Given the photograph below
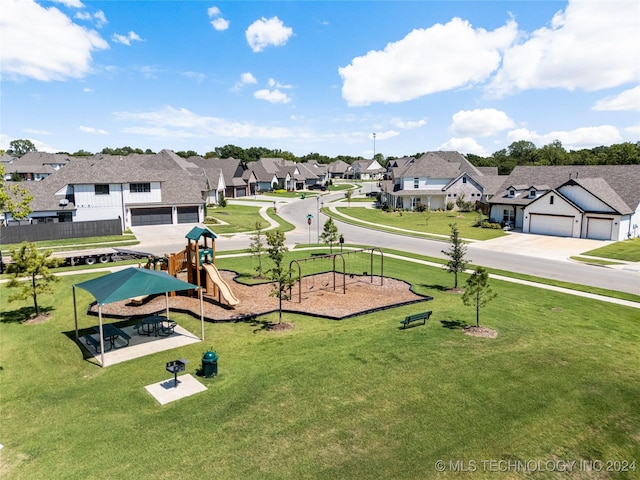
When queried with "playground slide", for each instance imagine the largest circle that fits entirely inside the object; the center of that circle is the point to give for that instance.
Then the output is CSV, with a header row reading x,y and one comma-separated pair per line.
x,y
225,291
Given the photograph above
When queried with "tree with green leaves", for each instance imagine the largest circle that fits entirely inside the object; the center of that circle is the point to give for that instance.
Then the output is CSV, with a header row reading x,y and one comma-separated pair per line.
x,y
456,252
329,234
20,147
29,262
478,291
278,274
14,199
223,201
348,195
256,247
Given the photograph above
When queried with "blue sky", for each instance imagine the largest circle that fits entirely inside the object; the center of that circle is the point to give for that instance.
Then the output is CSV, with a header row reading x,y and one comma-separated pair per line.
x,y
319,76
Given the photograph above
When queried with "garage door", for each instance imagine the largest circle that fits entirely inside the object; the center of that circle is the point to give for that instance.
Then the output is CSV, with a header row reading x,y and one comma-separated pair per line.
x,y
599,228
187,214
556,225
150,216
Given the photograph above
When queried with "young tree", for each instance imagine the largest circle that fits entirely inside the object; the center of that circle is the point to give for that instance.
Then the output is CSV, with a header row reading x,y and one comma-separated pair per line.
x,y
14,199
348,196
478,291
329,234
457,263
278,274
223,201
29,262
256,247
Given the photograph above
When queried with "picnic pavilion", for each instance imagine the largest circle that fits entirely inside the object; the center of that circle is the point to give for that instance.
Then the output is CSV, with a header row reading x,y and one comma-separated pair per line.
x,y
128,283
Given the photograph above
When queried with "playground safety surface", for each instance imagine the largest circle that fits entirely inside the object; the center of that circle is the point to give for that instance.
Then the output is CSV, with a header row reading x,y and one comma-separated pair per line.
x,y
364,294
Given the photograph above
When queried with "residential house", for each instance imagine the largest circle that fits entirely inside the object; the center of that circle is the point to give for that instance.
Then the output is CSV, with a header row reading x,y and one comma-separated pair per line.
x,y
228,176
35,166
139,189
435,179
337,169
365,170
598,202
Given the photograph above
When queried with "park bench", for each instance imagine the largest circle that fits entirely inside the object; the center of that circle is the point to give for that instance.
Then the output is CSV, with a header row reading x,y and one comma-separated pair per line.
x,y
409,319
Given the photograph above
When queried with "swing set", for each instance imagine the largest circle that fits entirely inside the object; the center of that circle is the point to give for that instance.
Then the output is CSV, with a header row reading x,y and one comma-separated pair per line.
x,y
353,266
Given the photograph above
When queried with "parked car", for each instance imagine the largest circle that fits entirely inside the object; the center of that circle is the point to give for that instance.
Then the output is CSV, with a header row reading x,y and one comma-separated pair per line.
x,y
318,186
372,194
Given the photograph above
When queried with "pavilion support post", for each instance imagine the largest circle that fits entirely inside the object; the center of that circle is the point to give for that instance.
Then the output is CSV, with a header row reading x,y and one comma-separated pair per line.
x,y
101,336
75,312
201,315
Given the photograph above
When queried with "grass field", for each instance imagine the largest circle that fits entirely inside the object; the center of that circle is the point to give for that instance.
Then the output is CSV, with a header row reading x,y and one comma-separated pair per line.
x,y
423,223
355,399
629,251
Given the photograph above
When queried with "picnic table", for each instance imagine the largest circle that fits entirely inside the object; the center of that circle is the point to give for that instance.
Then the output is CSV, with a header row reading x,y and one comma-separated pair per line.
x,y
111,333
156,325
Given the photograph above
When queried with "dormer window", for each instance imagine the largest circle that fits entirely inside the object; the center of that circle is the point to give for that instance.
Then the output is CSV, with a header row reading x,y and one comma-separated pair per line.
x,y
512,192
416,183
464,179
532,192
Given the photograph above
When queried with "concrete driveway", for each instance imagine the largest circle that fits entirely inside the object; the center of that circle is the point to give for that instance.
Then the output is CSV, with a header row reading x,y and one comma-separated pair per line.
x,y
543,246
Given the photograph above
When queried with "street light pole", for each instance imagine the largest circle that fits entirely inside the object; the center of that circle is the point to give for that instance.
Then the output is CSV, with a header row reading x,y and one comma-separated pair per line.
x,y
318,218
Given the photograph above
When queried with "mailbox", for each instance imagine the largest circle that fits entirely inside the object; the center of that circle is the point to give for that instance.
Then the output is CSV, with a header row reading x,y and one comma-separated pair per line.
x,y
175,367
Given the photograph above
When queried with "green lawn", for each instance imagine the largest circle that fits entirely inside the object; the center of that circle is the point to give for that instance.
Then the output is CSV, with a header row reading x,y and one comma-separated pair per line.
x,y
423,223
125,239
236,218
352,399
628,250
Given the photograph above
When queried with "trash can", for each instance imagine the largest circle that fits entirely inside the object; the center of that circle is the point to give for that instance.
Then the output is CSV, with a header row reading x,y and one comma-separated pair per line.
x,y
210,364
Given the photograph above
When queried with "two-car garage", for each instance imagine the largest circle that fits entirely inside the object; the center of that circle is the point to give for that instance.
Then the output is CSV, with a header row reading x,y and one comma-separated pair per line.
x,y
163,215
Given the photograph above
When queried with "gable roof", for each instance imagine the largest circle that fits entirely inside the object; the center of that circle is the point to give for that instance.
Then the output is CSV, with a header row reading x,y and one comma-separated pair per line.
x,y
439,165
621,179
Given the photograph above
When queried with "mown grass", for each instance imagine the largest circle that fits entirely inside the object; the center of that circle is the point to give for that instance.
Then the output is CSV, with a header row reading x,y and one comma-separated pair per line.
x,y
125,239
422,223
628,250
352,399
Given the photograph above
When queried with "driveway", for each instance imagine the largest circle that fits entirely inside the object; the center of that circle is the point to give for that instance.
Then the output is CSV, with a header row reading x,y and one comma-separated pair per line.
x,y
542,246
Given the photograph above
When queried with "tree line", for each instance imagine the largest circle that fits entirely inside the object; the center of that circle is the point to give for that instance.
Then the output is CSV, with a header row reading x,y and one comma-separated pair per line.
x,y
521,152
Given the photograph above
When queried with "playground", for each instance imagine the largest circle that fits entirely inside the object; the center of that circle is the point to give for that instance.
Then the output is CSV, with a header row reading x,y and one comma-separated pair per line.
x,y
327,287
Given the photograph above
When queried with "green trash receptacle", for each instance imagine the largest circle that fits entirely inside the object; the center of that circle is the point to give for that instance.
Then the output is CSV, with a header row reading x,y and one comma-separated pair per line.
x,y
210,364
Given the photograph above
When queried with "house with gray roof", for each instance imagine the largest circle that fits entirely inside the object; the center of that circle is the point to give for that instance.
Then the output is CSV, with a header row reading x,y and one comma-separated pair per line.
x,y
228,176
35,166
435,179
598,202
365,170
337,169
140,189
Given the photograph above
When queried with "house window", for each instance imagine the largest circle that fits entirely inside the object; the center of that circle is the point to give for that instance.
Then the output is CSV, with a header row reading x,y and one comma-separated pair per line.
x,y
532,193
139,187
464,179
550,199
416,182
507,215
101,189
512,193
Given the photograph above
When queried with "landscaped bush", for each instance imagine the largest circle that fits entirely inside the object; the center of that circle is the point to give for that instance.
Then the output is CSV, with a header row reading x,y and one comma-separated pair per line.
x,y
210,220
450,206
487,224
420,207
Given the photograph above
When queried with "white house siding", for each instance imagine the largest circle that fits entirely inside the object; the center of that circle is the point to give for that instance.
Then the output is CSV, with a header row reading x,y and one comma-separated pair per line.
x,y
90,206
560,208
585,199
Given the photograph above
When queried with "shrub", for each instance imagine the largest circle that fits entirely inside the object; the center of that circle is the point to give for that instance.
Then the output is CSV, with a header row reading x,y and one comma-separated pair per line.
x,y
449,206
487,224
420,207
210,220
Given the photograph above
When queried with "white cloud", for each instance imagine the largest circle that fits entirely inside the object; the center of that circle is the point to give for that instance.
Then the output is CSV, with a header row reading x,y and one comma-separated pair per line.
x,y
633,130
408,124
99,17
464,145
213,12
49,46
272,83
426,61
629,100
589,45
273,96
97,131
171,123
126,39
265,32
87,90
584,137
220,24
70,3
385,135
217,21
245,79
480,122
198,76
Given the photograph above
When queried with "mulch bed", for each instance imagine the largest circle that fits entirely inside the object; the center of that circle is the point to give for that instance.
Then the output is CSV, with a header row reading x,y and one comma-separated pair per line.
x,y
318,298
